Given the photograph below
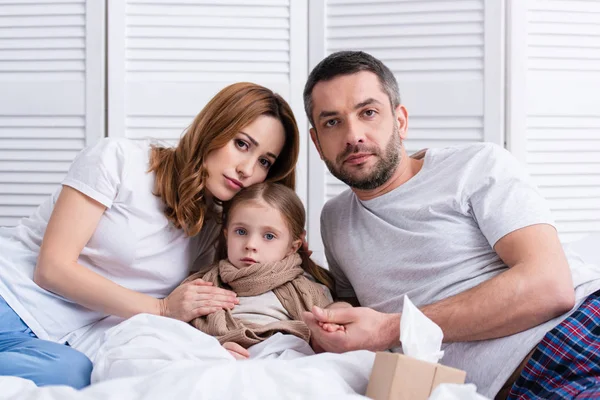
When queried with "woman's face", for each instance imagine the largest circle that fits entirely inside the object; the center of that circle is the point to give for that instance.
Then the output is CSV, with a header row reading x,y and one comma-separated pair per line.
x,y
246,159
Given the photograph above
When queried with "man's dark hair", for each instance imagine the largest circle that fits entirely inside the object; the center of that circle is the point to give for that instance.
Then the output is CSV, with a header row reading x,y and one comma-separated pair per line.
x,y
347,63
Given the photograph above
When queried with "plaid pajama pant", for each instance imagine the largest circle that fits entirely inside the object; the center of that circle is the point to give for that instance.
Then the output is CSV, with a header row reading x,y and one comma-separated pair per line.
x,y
566,363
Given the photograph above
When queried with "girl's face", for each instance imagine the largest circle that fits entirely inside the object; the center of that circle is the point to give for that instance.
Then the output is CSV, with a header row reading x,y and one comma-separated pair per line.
x,y
257,232
246,159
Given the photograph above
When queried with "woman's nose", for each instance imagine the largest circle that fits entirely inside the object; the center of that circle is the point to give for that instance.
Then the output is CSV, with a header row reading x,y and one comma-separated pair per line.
x,y
245,168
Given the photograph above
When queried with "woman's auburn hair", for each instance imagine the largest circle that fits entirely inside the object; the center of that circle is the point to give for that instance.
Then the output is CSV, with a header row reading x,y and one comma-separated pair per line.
x,y
180,172
287,202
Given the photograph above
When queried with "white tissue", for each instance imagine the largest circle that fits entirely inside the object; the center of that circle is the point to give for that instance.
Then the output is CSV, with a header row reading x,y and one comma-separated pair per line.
x,y
421,338
453,391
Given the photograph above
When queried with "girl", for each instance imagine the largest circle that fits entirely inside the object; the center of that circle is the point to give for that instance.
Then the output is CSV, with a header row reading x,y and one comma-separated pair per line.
x,y
129,222
262,260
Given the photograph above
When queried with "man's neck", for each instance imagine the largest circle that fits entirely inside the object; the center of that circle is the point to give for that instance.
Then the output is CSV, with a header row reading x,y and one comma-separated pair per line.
x,y
407,168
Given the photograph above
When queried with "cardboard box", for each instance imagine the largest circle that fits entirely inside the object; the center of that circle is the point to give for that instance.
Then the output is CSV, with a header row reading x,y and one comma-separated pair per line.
x,y
398,377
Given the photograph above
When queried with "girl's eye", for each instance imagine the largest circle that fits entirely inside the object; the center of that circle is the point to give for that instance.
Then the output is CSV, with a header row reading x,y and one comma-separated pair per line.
x,y
240,231
265,163
269,236
241,144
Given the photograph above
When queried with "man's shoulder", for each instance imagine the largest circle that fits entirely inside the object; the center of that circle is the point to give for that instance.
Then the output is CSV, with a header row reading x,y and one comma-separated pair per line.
x,y
471,151
337,203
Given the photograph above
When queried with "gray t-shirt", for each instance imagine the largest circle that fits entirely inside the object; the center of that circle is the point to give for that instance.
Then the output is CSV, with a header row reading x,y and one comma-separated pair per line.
x,y
433,237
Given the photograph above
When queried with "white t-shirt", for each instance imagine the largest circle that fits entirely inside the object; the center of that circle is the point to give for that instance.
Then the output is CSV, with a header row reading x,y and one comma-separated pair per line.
x,y
134,244
262,309
432,238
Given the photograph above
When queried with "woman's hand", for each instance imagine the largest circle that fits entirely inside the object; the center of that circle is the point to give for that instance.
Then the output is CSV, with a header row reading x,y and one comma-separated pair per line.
x,y
237,351
195,299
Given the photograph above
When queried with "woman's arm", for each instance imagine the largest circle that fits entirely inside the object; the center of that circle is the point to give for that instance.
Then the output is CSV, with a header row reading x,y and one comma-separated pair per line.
x,y
71,225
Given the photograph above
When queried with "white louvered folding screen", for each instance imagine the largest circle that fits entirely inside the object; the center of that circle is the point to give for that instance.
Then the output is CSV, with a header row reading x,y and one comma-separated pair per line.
x,y
447,58
166,60
51,95
554,117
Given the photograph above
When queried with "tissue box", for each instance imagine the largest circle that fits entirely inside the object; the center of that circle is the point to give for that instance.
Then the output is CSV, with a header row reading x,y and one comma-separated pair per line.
x,y
398,377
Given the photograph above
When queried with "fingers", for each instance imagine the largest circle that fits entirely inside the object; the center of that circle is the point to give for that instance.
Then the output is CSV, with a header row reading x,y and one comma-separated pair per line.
x,y
310,320
216,297
237,351
333,327
202,311
200,282
340,316
213,303
213,290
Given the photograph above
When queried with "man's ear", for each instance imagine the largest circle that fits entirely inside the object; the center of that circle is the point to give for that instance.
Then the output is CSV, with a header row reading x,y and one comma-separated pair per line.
x,y
402,118
315,140
296,244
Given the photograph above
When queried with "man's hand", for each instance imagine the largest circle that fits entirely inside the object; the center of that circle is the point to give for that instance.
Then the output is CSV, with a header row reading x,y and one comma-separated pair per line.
x,y
330,326
365,329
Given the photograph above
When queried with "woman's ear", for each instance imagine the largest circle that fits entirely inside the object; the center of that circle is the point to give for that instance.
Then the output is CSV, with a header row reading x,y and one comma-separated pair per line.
x,y
296,244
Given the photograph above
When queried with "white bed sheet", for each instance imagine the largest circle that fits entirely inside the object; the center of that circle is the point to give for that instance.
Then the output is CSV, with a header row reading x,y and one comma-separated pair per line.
x,y
150,357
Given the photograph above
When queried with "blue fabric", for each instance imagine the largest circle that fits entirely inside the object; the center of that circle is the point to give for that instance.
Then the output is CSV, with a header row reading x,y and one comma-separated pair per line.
x,y
22,354
566,363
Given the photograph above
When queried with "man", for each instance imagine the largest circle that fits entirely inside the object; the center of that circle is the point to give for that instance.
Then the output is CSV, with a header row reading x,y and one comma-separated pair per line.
x,y
461,231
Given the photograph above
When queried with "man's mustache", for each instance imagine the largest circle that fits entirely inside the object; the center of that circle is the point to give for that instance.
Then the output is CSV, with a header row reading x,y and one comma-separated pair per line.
x,y
359,148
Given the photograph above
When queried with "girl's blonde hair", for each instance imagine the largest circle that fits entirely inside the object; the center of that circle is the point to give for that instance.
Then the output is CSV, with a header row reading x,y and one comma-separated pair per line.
x,y
290,206
180,171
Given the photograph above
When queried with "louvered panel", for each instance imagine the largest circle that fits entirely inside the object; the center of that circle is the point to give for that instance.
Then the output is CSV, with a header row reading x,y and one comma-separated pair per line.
x,y
413,38
436,51
38,38
562,145
45,100
178,55
561,40
35,153
216,45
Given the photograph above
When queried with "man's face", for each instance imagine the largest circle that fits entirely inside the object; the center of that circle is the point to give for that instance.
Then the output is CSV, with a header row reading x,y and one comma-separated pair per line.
x,y
356,132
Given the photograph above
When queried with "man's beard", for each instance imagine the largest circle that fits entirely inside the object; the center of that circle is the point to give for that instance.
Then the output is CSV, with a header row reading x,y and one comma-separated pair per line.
x,y
381,172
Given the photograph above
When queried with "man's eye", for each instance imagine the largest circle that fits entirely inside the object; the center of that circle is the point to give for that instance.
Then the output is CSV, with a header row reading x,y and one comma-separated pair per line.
x,y
370,113
331,122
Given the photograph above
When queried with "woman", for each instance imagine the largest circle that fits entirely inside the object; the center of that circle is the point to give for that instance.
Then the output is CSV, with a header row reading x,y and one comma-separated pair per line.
x,y
128,224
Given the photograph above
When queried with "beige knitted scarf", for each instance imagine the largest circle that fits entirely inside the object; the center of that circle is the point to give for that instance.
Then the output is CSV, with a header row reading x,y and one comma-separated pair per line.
x,y
285,278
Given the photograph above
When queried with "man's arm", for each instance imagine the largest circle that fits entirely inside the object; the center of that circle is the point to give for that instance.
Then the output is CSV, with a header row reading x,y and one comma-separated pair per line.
x,y
536,288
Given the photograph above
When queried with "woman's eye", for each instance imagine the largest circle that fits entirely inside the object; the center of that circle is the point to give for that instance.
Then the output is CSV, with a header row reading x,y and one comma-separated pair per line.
x,y
265,163
241,144
269,236
240,231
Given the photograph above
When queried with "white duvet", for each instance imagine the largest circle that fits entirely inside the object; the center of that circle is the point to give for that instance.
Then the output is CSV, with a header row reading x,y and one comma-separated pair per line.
x,y
150,357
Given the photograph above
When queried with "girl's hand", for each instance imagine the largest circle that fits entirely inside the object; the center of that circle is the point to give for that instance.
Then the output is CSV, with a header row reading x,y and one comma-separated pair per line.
x,y
331,327
195,299
237,351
